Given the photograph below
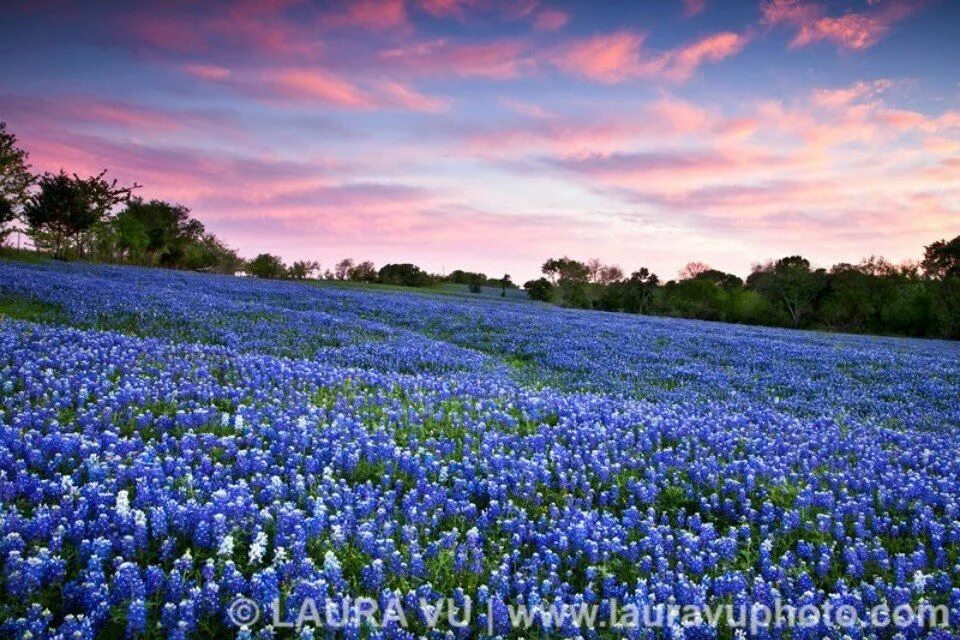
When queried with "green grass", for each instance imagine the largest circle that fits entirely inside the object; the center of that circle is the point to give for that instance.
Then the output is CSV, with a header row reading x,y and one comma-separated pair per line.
x,y
29,309
441,289
21,255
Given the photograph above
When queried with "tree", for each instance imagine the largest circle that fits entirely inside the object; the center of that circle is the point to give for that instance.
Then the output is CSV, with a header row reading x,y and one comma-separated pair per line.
x,y
695,298
15,179
594,267
475,282
693,269
941,260
364,272
405,274
540,289
790,283
505,282
266,265
68,206
570,277
156,232
946,308
719,278
342,270
609,274
303,269
639,290
560,269
209,253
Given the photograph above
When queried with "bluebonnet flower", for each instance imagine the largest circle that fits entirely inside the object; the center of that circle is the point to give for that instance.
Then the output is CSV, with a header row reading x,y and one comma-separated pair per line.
x,y
264,439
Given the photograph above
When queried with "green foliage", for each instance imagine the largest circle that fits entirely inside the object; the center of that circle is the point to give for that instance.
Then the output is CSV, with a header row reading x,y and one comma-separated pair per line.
x,y
21,255
209,253
67,206
570,278
302,269
405,274
873,296
29,309
696,298
15,179
363,272
474,281
789,284
946,308
266,265
539,289
941,259
156,232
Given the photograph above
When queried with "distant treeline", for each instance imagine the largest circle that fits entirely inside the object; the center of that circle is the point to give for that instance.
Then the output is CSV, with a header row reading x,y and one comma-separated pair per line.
x,y
93,218
873,296
404,274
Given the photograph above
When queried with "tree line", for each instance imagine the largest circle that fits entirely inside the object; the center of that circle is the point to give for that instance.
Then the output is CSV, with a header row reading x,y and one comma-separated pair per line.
x,y
95,218
404,274
873,296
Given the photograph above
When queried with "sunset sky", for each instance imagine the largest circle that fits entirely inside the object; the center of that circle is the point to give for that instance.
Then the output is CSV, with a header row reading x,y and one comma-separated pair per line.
x,y
491,135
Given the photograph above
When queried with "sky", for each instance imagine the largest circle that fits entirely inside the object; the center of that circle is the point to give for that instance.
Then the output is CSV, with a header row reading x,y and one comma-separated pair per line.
x,y
490,135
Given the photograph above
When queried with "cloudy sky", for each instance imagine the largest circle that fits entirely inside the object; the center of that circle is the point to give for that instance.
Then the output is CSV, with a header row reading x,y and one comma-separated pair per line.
x,y
491,135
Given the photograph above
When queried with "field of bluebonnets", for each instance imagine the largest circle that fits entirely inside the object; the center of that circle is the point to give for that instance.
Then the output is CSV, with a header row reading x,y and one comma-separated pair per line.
x,y
169,441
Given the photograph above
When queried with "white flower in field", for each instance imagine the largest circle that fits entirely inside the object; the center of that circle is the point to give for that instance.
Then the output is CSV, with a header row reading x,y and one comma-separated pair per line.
x,y
226,547
280,555
302,422
330,561
224,419
238,422
919,581
259,548
123,504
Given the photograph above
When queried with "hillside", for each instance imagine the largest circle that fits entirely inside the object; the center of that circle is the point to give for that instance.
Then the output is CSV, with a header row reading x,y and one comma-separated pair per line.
x,y
170,440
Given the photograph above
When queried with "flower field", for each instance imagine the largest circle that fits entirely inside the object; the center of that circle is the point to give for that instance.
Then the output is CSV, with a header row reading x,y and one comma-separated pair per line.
x,y
172,441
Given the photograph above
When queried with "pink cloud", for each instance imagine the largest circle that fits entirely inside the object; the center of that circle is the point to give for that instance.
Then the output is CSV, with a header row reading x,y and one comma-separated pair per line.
x,y
181,174
207,71
463,10
314,85
299,85
682,63
376,15
107,114
550,20
610,57
411,99
500,59
692,8
615,57
679,115
529,109
667,119
445,8
844,96
852,30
